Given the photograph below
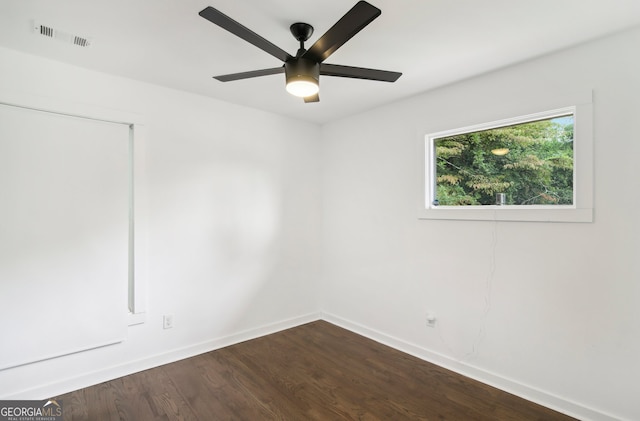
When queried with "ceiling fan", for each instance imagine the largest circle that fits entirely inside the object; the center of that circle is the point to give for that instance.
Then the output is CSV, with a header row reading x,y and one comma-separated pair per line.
x,y
302,71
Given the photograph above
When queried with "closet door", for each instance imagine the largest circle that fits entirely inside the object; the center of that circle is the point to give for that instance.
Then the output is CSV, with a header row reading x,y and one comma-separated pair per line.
x,y
64,234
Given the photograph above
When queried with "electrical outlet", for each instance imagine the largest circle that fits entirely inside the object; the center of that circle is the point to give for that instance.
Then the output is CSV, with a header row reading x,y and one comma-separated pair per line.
x,y
431,320
167,321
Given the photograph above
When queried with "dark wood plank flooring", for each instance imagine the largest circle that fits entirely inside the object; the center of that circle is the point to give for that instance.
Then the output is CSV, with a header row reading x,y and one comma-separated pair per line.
x,y
317,371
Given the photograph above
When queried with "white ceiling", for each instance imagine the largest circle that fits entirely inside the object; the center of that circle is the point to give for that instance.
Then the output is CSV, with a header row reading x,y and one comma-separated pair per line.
x,y
432,42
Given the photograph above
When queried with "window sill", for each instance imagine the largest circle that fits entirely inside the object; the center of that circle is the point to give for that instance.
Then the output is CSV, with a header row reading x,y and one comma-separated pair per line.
x,y
509,213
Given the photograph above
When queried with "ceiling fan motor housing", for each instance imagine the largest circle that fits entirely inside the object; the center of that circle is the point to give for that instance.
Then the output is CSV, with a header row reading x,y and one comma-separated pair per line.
x,y
302,70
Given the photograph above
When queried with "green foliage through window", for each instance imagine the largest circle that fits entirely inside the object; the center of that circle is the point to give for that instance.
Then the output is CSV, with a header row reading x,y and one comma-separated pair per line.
x,y
531,163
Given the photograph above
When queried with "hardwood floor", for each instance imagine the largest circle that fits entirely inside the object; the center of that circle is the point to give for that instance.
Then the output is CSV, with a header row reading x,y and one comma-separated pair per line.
x,y
317,371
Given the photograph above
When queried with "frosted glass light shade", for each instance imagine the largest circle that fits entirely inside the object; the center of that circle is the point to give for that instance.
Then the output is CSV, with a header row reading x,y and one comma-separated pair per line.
x,y
302,88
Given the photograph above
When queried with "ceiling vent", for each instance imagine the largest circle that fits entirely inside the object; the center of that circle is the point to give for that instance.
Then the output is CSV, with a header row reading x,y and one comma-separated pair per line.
x,y
51,32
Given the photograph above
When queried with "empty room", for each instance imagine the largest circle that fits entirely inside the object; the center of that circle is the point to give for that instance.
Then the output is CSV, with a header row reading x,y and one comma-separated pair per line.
x,y
307,210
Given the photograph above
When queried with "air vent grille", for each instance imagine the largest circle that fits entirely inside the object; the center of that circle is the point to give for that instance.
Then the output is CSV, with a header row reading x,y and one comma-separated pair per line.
x,y
51,32
46,31
82,42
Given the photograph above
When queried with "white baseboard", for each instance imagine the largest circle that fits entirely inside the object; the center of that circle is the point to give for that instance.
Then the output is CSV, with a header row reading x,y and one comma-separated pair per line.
x,y
543,398
47,391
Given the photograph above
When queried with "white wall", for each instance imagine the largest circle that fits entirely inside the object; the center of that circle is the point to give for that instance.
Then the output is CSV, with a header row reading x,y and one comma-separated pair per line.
x,y
234,222
231,221
550,311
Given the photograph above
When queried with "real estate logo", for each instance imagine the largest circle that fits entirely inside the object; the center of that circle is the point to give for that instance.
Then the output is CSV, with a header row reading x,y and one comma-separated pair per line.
x,y
47,410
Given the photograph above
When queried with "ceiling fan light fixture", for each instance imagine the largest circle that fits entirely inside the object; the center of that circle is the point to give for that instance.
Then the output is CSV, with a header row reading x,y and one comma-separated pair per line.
x,y
302,77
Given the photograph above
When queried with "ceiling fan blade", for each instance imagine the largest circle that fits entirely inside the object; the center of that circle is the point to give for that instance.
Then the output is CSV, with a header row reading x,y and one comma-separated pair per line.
x,y
312,98
247,75
225,22
358,72
350,24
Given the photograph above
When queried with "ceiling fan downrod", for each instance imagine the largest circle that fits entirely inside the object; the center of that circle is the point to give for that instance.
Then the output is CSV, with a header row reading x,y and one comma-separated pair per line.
x,y
301,32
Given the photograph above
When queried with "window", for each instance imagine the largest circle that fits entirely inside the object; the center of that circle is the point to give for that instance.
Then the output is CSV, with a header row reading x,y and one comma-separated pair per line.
x,y
528,163
530,168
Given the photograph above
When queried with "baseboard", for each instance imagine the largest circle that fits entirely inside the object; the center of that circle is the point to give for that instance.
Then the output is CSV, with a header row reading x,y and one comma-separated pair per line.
x,y
540,397
109,373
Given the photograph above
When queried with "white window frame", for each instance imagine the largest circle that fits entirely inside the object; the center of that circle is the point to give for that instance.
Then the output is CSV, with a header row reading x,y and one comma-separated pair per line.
x,y
580,211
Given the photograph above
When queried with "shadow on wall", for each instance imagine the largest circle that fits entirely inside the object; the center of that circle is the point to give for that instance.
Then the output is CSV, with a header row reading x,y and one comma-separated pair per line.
x,y
217,243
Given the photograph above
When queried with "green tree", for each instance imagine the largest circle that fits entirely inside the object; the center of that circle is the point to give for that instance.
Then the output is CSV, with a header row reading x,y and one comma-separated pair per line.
x,y
537,167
